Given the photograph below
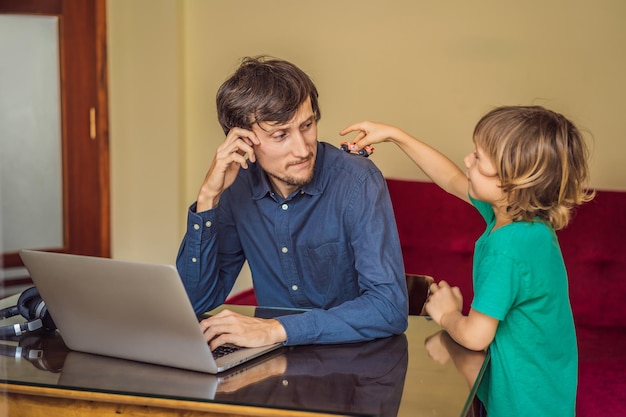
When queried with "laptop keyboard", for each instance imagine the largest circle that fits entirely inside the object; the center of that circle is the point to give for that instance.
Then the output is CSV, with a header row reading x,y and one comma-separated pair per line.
x,y
224,350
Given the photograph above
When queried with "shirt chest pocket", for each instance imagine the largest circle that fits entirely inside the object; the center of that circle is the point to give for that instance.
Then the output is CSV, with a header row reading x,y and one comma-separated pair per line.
x,y
329,270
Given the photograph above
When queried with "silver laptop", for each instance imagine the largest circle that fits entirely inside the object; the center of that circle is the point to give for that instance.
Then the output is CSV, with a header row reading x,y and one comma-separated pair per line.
x,y
126,310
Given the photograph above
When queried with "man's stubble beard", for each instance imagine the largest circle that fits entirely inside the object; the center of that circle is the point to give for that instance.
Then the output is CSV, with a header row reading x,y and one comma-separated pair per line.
x,y
294,181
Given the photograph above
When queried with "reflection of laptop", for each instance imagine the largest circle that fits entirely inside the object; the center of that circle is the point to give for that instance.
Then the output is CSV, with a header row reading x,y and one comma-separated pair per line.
x,y
126,310
95,372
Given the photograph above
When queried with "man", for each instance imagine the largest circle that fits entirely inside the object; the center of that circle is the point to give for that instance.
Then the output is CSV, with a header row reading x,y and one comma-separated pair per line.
x,y
314,223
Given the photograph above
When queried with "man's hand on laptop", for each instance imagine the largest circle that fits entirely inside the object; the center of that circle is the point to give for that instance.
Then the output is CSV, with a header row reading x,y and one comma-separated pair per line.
x,y
229,327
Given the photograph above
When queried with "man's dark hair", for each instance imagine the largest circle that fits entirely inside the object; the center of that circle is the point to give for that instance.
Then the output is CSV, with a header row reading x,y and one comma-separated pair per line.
x,y
264,89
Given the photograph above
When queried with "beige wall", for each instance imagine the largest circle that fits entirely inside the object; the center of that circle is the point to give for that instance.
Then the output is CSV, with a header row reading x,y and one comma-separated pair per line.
x,y
430,67
146,133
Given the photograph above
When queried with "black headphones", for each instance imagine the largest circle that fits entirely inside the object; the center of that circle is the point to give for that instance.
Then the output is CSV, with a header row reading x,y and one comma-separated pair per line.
x,y
30,306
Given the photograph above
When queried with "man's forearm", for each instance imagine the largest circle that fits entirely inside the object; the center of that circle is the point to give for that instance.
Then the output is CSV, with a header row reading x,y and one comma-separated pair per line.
x,y
198,263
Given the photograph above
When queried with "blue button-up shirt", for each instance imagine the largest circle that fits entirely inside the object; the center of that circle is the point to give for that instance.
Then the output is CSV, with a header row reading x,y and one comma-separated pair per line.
x,y
331,247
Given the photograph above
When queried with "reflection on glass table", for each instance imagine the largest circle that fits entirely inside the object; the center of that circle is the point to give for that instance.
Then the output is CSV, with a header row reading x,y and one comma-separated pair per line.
x,y
349,379
361,378
420,373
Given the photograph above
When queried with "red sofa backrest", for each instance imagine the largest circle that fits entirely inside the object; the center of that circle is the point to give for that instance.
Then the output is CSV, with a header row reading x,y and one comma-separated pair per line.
x,y
437,233
594,249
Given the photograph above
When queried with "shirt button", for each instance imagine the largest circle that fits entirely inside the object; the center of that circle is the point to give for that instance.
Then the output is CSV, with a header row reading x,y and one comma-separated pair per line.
x,y
196,226
294,287
208,223
284,250
194,260
285,206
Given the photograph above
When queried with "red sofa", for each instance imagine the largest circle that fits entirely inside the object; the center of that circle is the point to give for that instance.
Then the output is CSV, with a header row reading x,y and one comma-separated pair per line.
x,y
438,231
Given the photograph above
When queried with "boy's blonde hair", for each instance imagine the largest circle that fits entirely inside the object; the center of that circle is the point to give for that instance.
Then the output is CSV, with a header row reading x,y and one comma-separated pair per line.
x,y
540,159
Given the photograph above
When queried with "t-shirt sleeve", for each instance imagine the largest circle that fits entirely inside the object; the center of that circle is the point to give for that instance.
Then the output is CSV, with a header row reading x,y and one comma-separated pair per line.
x,y
496,285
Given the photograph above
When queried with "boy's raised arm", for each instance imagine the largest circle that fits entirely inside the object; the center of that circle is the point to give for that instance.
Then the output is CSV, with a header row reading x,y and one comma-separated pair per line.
x,y
438,167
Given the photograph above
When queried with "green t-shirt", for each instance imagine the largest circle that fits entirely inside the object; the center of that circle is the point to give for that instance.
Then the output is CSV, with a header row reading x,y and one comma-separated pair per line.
x,y
520,279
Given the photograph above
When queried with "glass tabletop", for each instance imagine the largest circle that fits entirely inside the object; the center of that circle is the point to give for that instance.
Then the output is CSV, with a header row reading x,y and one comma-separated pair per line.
x,y
419,373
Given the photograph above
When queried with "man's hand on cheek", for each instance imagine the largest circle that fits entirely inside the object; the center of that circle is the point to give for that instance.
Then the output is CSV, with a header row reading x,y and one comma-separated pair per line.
x,y
232,154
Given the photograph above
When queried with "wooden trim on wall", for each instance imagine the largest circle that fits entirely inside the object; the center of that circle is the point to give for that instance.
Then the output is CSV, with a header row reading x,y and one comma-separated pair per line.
x,y
84,86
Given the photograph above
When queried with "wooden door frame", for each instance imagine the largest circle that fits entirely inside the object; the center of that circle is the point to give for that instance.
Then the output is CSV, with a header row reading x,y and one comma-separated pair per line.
x,y
84,86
